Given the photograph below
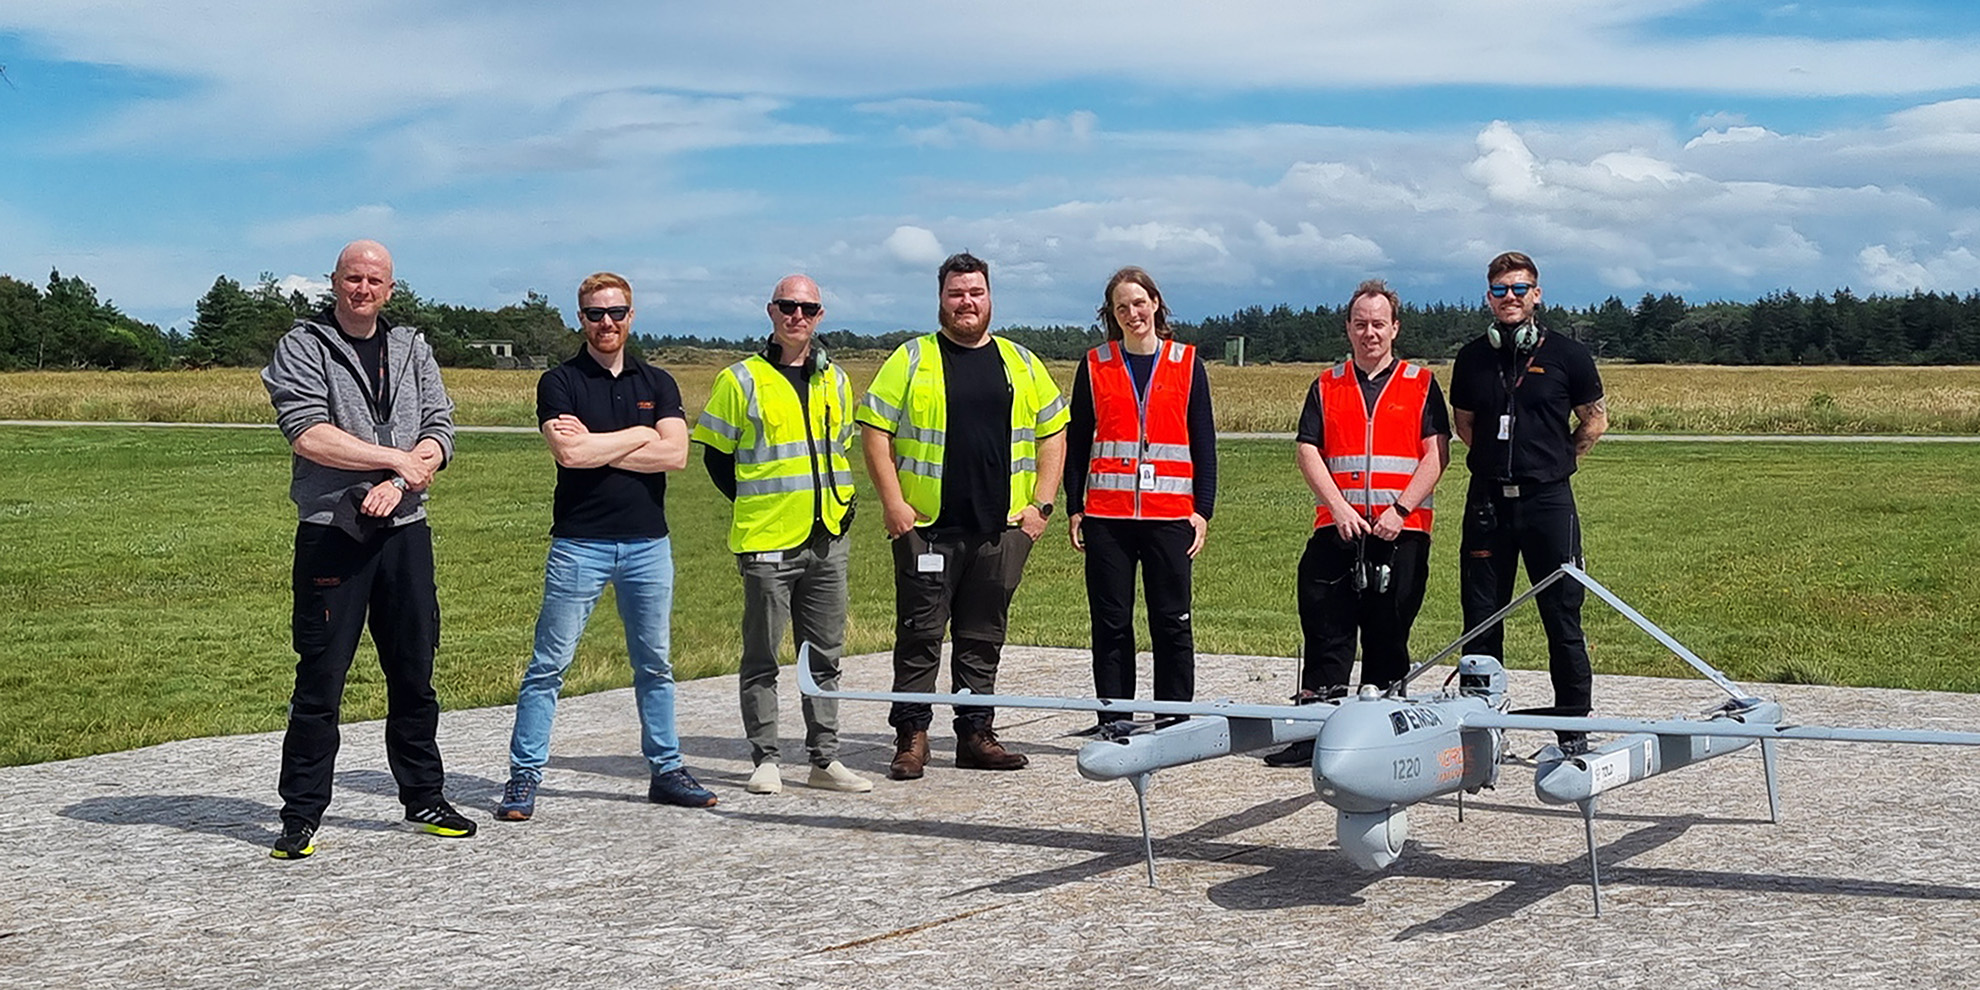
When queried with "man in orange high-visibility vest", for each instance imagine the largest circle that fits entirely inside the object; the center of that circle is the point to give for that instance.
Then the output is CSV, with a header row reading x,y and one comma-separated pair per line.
x,y
1372,442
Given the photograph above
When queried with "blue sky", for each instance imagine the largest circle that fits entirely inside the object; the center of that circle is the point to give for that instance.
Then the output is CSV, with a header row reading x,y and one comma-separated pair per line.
x,y
1242,152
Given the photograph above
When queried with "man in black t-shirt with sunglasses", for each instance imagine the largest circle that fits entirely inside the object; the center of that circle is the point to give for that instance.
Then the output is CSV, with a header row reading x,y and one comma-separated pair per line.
x,y
1512,392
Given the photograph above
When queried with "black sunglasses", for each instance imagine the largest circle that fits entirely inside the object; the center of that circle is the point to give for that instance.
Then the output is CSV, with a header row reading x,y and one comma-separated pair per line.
x,y
1519,289
789,306
597,314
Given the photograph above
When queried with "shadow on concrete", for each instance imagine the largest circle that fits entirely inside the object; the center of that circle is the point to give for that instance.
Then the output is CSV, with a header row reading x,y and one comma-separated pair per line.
x,y
247,820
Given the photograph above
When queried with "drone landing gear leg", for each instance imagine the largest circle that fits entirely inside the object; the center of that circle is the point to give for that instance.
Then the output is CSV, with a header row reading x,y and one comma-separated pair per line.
x,y
1140,782
1594,868
1460,797
1773,782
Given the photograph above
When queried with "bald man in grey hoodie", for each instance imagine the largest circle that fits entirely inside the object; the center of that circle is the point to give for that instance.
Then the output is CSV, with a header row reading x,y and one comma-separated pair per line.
x,y
361,404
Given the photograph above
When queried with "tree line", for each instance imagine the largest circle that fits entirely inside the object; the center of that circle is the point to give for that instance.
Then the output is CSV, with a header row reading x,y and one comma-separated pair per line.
x,y
65,325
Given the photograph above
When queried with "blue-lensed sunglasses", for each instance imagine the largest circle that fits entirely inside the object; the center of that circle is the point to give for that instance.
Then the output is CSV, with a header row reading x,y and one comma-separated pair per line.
x,y
1519,289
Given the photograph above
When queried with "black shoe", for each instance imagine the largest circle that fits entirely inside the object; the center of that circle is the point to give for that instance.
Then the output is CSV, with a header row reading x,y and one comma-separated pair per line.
x,y
1573,743
1299,754
297,841
440,818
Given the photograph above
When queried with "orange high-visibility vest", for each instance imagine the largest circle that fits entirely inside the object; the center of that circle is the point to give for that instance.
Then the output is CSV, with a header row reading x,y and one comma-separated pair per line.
x,y
1372,459
1141,468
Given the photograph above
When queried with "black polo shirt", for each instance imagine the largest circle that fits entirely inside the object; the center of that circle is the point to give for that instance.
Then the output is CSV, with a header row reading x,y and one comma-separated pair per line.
x,y
608,503
1538,390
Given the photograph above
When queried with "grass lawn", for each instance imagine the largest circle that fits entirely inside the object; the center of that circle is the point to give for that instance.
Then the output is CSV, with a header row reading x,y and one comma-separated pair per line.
x,y
144,579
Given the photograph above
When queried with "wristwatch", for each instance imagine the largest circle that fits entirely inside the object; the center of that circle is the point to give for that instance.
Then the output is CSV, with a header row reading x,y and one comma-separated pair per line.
x,y
1044,509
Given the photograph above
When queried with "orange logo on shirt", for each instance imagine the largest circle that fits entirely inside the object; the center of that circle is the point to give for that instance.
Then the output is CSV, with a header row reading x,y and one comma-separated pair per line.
x,y
644,403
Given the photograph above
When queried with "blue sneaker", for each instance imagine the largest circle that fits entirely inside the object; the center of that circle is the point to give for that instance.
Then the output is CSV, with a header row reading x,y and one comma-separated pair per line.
x,y
518,800
678,787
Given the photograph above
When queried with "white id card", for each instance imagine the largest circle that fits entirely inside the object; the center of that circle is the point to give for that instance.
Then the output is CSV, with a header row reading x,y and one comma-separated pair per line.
x,y
928,563
1505,427
1147,477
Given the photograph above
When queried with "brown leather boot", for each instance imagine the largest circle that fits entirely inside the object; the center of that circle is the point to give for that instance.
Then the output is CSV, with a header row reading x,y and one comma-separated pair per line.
x,y
978,749
910,754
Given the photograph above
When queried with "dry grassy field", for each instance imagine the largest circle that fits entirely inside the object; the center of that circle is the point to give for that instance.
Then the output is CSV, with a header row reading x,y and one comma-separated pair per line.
x,y
1642,398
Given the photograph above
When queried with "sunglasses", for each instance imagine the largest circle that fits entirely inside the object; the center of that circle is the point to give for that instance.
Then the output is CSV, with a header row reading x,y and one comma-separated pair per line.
x,y
789,306
1519,289
597,314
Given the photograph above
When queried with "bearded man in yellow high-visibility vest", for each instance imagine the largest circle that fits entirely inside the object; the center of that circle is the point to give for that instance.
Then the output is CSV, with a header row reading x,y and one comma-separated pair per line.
x,y
965,442
774,435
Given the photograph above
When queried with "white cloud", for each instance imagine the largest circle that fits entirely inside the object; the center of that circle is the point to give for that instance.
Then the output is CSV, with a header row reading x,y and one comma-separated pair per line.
x,y
1957,270
915,246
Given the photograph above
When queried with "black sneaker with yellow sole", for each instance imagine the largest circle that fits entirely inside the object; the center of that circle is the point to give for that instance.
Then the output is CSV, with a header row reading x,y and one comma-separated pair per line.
x,y
440,818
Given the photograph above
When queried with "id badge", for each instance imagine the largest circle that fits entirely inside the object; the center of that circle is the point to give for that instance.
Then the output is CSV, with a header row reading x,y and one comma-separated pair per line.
x,y
1505,427
384,432
1147,477
928,563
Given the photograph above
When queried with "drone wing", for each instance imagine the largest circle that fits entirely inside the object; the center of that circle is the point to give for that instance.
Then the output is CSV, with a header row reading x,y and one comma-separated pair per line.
x,y
808,685
1730,728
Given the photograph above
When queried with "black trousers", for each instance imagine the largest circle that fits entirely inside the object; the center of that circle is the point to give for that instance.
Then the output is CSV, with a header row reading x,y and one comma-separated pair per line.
x,y
1332,609
969,594
1114,547
1542,527
338,583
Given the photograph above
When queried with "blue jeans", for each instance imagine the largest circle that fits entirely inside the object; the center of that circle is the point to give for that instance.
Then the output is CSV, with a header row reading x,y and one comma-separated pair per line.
x,y
575,575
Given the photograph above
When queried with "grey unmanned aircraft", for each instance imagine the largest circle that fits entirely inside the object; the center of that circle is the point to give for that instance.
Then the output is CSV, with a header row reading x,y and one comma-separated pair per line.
x,y
1379,752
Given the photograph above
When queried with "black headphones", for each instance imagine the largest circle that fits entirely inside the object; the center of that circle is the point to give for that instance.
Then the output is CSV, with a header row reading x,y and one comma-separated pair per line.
x,y
1523,337
814,362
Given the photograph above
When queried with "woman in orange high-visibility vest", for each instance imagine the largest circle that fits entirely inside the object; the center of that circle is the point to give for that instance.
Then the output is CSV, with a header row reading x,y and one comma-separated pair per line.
x,y
1372,442
1141,483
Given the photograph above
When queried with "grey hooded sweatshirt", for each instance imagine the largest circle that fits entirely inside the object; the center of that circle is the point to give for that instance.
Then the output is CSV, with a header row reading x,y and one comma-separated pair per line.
x,y
314,377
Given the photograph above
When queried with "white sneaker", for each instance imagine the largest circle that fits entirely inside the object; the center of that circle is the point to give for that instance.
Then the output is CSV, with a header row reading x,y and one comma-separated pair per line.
x,y
766,780
834,776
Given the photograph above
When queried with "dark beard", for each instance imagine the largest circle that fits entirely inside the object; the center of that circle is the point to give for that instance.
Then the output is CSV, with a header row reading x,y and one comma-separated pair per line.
x,y
967,338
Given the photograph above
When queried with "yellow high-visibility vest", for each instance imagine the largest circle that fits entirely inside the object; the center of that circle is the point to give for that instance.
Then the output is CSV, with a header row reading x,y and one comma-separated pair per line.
x,y
909,399
791,468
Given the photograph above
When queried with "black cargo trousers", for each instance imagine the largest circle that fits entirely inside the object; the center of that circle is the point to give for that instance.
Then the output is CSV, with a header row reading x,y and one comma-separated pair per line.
x,y
339,583
1503,524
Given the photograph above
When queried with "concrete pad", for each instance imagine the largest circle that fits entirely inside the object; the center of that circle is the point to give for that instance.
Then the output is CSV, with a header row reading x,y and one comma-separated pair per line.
x,y
150,868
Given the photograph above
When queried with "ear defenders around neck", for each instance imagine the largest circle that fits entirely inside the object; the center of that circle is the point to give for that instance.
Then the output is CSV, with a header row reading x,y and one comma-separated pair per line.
x,y
814,362
1521,338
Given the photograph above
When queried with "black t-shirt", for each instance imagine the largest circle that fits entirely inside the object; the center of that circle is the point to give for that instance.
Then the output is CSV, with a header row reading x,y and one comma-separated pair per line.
x,y
1538,391
608,503
1202,433
371,357
976,453
1312,428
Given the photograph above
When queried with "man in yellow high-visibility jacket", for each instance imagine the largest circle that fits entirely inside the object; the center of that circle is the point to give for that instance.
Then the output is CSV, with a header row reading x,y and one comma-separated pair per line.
x,y
774,434
965,441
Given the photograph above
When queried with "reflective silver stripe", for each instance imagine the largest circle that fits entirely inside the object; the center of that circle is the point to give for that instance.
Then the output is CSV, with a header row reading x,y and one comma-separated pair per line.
x,y
1383,497
1175,350
1410,370
1110,482
909,431
1053,408
1173,486
775,452
1104,353
925,469
914,358
752,403
1023,434
774,486
1024,464
710,422
1125,449
882,409
1376,465
841,479
1168,451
